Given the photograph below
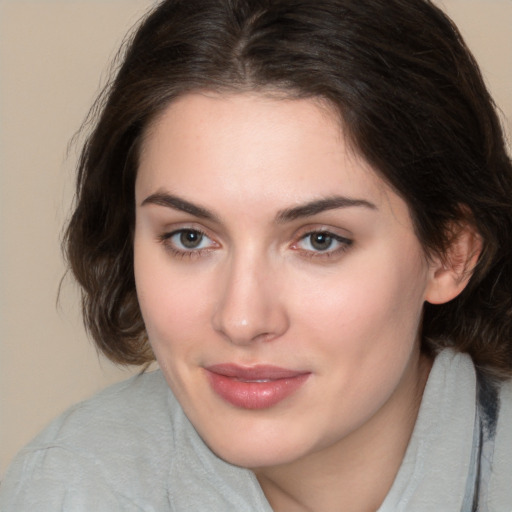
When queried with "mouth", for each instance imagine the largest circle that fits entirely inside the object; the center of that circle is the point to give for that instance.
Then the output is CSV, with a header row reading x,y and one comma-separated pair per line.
x,y
257,387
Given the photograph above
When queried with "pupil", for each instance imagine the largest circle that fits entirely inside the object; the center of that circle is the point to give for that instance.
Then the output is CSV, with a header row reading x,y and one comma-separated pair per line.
x,y
190,239
321,241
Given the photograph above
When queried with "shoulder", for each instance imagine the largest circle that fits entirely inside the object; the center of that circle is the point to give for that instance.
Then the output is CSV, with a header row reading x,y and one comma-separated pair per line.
x,y
90,456
139,405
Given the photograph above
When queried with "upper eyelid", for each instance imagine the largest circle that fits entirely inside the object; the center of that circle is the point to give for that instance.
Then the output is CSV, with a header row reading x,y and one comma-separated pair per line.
x,y
213,232
323,228
173,231
325,232
339,238
177,227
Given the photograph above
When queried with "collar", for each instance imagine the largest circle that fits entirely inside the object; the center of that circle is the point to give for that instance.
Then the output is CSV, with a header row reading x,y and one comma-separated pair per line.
x,y
438,471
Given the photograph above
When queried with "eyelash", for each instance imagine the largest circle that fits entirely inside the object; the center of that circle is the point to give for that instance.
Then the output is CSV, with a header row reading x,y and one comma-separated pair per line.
x,y
344,244
166,240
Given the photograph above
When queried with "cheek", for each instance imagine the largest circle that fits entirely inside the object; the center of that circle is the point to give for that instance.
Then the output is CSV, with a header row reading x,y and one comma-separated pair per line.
x,y
172,302
372,304
365,331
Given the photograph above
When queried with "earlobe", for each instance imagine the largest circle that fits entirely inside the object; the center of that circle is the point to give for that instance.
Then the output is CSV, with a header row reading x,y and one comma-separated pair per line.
x,y
451,272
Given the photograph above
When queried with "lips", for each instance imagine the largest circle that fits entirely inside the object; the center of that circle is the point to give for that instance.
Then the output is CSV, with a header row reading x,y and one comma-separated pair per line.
x,y
257,387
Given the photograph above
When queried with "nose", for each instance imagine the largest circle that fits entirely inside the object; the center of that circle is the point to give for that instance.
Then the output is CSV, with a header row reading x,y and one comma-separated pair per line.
x,y
250,304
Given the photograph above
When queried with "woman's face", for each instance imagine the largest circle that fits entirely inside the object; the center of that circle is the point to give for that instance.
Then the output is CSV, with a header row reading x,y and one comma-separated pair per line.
x,y
279,277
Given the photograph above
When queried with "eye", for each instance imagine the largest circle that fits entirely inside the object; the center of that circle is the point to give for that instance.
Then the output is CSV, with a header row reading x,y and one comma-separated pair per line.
x,y
188,239
323,242
184,241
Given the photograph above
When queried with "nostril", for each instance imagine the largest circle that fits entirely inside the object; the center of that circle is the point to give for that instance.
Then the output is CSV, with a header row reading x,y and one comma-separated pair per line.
x,y
259,324
248,308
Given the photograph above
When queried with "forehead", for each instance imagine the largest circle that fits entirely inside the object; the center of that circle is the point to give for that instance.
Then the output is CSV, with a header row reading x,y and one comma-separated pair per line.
x,y
252,148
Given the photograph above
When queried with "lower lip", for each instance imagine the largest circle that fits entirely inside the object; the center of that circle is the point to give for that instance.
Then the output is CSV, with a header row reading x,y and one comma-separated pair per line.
x,y
255,395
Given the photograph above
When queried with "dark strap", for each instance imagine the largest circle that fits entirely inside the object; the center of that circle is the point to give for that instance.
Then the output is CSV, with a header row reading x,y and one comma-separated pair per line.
x,y
484,435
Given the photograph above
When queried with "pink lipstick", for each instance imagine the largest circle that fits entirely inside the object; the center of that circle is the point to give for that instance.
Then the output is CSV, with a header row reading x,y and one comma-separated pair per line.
x,y
256,387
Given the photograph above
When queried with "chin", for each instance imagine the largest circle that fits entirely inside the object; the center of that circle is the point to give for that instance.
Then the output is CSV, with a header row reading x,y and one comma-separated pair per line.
x,y
256,447
257,458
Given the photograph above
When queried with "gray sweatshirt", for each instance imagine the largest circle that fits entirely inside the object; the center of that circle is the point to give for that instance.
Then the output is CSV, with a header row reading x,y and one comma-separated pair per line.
x,y
131,448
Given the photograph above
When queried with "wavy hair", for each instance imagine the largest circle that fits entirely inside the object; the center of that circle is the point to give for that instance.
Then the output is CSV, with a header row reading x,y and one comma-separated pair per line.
x,y
410,97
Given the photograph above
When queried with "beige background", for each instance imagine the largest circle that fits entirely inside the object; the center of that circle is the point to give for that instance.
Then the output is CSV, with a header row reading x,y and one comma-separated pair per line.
x,y
53,58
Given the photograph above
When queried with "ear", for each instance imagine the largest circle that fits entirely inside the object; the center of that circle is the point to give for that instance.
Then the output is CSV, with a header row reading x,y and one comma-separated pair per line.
x,y
451,272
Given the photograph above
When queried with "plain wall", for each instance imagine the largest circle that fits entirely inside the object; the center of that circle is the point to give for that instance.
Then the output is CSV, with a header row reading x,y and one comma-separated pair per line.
x,y
53,59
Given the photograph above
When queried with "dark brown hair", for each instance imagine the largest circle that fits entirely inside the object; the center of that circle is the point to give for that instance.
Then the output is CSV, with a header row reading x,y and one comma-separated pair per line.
x,y
410,97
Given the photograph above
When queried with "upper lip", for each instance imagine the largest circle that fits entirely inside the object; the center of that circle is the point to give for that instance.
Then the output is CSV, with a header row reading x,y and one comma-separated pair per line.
x,y
257,372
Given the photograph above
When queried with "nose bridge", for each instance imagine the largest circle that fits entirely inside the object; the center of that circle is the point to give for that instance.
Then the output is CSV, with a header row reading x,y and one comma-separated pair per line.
x,y
249,307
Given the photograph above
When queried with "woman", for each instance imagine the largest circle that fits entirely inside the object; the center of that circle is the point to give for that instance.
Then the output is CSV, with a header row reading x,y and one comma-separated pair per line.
x,y
303,211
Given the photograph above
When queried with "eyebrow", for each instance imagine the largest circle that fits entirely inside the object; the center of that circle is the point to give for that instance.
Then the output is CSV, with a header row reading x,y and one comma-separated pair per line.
x,y
321,205
177,203
283,216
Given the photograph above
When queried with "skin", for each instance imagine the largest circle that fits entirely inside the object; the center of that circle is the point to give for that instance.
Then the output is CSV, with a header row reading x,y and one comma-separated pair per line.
x,y
257,290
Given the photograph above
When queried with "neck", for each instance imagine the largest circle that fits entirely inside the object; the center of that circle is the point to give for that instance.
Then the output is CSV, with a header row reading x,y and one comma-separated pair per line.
x,y
356,473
